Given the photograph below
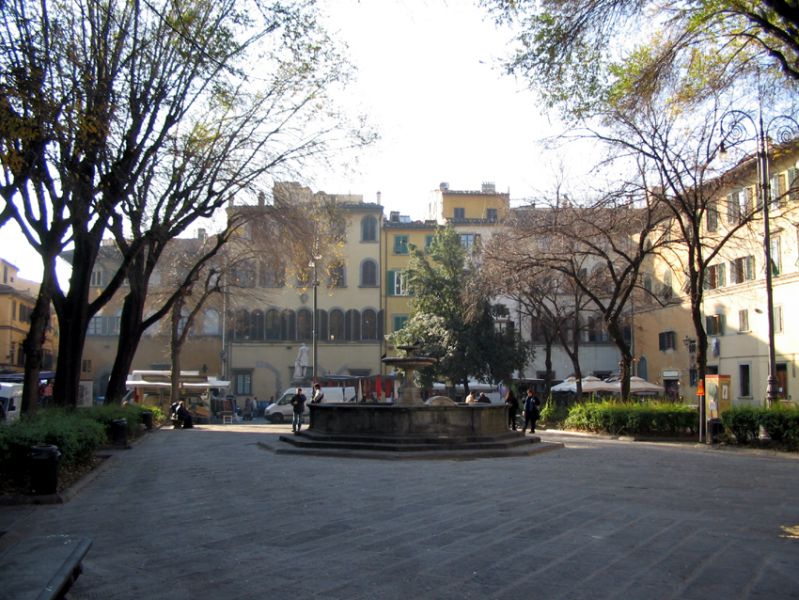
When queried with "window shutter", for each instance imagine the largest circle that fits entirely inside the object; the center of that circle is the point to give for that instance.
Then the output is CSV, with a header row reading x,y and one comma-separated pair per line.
x,y
390,284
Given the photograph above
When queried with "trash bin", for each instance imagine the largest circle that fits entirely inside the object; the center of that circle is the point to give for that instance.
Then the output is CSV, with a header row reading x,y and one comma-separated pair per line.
x,y
119,432
147,418
715,429
44,468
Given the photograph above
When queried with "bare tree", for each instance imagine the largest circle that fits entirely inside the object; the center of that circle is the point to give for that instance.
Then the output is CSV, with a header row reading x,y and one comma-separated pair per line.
x,y
132,119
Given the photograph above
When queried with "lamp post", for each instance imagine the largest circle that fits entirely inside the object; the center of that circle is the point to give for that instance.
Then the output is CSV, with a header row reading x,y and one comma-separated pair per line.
x,y
314,265
734,129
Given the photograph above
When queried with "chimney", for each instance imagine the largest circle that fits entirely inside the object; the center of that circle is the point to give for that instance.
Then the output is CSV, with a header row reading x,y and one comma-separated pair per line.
x,y
489,187
379,197
394,216
443,186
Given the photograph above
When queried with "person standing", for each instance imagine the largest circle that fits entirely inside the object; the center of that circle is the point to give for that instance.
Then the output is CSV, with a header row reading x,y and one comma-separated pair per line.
x,y
298,406
513,407
531,410
318,394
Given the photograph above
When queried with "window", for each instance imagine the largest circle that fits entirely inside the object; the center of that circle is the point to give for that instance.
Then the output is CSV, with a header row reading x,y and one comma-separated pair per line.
x,y
352,325
714,324
271,274
743,320
715,277
244,275
96,326
742,269
13,310
86,365
304,324
667,340
459,213
793,184
369,328
336,276
211,322
491,214
776,255
183,321
778,325
397,283
242,382
399,321
97,278
712,216
400,244
734,206
257,325
468,240
368,273
744,381
747,202
428,241
368,229
336,325
272,324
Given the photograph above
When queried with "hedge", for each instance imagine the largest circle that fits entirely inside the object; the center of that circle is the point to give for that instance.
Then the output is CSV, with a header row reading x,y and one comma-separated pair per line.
x,y
632,418
780,422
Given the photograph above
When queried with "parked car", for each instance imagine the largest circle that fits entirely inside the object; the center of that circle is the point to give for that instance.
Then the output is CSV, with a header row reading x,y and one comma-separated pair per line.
x,y
281,410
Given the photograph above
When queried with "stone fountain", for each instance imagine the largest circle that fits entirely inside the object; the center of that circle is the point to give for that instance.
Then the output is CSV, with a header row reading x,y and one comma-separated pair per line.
x,y
411,428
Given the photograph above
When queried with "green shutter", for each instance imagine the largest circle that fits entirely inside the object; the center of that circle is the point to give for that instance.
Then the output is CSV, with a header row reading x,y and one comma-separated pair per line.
x,y
390,284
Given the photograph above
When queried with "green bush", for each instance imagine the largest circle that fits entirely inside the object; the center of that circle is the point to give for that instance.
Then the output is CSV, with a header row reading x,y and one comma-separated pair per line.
x,y
633,418
553,413
742,422
77,437
780,422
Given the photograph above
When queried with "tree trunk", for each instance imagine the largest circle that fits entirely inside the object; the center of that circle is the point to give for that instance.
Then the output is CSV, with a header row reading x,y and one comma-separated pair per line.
x,y
40,321
130,334
616,334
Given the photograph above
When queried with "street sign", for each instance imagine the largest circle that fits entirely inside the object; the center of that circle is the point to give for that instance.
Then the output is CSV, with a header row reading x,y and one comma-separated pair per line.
x,y
700,387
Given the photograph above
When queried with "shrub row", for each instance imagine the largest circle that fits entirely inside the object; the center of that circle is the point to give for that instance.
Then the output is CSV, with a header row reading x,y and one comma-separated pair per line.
x,y
780,422
77,433
617,418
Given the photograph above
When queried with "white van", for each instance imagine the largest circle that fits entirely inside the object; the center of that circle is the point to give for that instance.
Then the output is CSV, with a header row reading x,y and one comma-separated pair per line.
x,y
281,410
10,401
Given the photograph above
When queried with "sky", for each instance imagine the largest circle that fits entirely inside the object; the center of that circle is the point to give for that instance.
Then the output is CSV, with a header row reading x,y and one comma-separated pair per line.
x,y
428,77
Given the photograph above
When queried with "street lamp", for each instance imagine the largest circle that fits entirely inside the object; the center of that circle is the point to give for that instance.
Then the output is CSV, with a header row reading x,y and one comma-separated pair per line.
x,y
314,265
735,125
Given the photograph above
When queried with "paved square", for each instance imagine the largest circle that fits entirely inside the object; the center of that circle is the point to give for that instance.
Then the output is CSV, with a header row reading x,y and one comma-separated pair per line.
x,y
209,513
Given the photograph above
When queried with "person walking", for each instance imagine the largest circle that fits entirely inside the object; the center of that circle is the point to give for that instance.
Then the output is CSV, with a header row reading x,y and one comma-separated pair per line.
x,y
513,407
532,412
298,406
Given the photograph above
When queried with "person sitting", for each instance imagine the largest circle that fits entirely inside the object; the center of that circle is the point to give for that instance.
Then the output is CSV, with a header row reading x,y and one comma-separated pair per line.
x,y
471,398
483,399
183,417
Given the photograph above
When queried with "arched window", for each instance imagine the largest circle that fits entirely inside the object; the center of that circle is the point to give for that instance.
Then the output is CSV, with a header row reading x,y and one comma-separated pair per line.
x,y
352,320
336,325
304,324
272,325
336,276
368,273
321,324
241,330
211,322
257,325
369,327
288,325
368,229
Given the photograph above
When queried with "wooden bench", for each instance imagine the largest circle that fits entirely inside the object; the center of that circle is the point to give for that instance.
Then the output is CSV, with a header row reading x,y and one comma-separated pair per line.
x,y
41,568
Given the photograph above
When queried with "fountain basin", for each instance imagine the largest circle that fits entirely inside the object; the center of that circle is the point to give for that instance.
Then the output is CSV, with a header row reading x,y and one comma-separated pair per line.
x,y
422,421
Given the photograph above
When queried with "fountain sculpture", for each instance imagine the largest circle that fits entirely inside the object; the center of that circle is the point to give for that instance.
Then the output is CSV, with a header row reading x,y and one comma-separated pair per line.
x,y
410,427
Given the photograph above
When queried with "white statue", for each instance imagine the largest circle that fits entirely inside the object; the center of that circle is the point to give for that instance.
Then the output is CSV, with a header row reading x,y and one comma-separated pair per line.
x,y
301,362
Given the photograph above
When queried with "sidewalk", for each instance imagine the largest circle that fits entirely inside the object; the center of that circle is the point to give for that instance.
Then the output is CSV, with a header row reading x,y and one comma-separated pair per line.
x,y
209,513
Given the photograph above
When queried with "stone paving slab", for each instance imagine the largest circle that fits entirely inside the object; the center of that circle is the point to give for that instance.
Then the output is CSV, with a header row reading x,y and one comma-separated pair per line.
x,y
211,513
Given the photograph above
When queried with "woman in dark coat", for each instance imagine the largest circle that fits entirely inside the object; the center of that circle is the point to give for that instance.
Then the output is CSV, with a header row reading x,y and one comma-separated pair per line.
x,y
513,407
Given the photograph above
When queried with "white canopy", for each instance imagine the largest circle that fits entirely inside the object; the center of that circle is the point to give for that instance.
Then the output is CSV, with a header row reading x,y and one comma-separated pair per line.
x,y
590,385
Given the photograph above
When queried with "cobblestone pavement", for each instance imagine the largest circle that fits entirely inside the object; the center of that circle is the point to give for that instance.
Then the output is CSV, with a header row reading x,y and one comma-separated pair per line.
x,y
210,513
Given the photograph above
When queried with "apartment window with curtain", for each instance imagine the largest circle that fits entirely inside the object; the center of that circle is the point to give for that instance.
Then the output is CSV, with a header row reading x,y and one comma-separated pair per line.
x,y
715,277
400,244
744,381
667,340
776,255
712,216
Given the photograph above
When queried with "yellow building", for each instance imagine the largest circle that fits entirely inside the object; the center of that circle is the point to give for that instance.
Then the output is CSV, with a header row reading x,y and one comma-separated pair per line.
x,y
17,299
735,307
270,317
